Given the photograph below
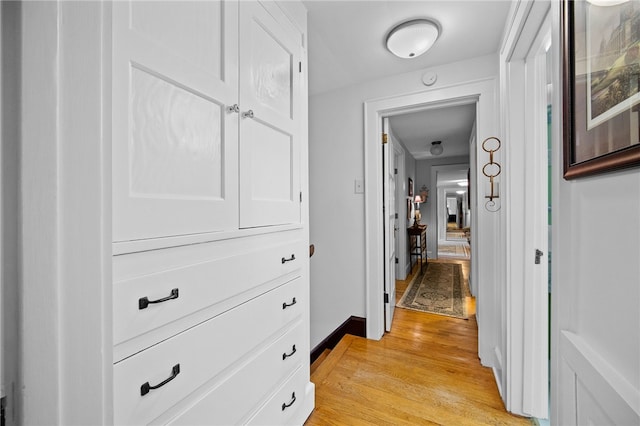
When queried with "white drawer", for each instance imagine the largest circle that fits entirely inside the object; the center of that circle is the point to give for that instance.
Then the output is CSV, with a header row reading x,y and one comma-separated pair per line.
x,y
201,352
233,398
197,286
282,408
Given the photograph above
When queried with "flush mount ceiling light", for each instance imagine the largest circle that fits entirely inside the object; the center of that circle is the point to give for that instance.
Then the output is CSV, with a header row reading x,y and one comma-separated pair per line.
x,y
605,3
436,148
412,38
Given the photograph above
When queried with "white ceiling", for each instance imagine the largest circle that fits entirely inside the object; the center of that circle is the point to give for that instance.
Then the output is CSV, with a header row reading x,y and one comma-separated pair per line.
x,y
347,47
449,180
451,125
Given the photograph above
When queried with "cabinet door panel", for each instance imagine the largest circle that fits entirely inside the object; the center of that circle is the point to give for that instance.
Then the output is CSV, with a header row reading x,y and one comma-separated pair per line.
x,y
174,141
269,141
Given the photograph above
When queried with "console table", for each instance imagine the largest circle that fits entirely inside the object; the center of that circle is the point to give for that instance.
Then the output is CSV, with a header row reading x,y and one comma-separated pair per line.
x,y
418,244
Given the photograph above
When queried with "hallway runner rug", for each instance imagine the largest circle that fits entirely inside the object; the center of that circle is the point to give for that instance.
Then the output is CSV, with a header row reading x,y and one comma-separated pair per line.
x,y
454,249
456,235
440,290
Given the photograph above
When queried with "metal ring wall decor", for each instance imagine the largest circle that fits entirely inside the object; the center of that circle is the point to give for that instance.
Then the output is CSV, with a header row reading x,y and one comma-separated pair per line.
x,y
491,170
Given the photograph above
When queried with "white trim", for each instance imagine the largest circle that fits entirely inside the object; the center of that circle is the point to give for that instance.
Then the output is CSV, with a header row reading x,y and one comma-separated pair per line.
x,y
2,280
618,398
374,110
66,221
39,323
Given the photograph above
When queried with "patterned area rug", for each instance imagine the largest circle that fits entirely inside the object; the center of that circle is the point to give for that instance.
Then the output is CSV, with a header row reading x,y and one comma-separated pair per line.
x,y
454,249
440,290
456,235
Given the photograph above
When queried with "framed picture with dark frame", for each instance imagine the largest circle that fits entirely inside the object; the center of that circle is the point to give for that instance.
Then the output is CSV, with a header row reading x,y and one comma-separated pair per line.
x,y
410,187
601,87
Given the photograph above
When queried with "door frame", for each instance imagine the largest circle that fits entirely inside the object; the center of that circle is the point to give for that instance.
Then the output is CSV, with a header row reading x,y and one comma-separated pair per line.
x,y
441,199
483,92
2,284
524,318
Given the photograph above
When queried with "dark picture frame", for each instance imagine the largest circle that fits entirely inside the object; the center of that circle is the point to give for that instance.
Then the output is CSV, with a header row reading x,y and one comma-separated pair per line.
x,y
410,187
601,88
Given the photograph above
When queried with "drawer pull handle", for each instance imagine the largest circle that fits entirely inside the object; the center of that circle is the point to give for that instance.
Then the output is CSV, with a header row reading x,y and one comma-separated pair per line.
x,y
285,305
293,399
293,257
286,355
143,302
146,387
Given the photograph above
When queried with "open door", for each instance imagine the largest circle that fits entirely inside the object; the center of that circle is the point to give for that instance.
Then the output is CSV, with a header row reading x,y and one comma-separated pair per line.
x,y
535,391
525,382
390,225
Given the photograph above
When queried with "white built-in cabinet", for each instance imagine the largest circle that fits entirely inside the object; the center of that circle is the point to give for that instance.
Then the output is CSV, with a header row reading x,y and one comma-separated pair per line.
x,y
210,265
206,122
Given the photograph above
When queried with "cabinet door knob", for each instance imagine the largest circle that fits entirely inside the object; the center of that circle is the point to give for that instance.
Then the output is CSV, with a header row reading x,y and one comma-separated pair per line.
x,y
143,302
248,114
234,108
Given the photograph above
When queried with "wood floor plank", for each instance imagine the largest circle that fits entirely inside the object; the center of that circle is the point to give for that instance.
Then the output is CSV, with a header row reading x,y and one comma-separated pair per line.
x,y
425,371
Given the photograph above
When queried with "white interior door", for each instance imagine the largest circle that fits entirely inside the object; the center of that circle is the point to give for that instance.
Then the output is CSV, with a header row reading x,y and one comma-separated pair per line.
x,y
270,71
398,197
525,380
390,226
535,390
174,138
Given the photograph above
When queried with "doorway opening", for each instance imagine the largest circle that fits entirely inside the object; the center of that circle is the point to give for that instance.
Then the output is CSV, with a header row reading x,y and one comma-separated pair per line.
x,y
454,232
480,94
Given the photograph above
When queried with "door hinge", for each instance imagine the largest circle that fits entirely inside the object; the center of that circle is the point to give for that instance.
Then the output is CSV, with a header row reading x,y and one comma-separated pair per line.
x,y
300,196
385,138
386,298
396,260
299,66
539,254
395,171
396,215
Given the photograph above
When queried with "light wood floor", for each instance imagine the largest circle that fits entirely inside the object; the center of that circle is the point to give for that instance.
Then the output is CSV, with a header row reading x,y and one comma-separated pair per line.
x,y
425,371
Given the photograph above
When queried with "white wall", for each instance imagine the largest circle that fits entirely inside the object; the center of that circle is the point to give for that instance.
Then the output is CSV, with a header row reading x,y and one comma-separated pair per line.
x,y
336,160
596,291
595,295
